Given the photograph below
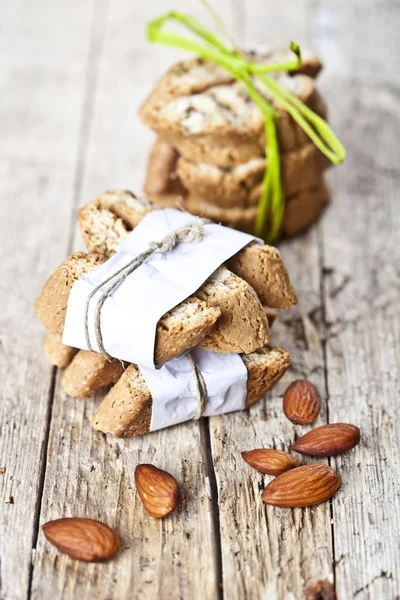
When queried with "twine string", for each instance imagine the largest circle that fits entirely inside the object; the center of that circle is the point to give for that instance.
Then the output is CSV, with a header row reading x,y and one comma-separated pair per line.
x,y
191,232
201,388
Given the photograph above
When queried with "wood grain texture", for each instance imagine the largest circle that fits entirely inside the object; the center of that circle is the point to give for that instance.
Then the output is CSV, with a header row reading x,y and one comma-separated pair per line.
x,y
361,293
43,63
73,78
178,556
266,550
90,475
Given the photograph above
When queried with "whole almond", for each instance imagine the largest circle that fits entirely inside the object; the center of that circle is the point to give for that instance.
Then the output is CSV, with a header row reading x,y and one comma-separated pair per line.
x,y
328,440
270,461
301,402
158,490
84,539
303,486
322,590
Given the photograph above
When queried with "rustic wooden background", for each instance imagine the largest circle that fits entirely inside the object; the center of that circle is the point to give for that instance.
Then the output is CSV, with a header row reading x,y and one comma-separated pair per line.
x,y
72,76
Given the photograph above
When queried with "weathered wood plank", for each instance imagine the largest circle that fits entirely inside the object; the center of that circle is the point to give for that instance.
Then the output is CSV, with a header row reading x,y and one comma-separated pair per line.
x,y
43,64
361,287
266,552
271,552
166,558
176,557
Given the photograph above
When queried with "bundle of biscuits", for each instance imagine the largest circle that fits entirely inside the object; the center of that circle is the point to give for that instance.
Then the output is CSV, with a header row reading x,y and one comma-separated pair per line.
x,y
228,314
209,157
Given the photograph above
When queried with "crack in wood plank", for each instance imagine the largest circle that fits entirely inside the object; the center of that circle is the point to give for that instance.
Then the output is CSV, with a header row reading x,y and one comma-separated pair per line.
x,y
43,455
39,130
97,35
178,556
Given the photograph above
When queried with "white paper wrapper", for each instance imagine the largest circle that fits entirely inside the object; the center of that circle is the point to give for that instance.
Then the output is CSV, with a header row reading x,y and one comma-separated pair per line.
x,y
173,387
129,317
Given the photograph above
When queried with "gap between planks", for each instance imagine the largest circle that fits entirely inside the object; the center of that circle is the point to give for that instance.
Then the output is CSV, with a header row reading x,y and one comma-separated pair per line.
x,y
43,454
95,47
97,37
321,256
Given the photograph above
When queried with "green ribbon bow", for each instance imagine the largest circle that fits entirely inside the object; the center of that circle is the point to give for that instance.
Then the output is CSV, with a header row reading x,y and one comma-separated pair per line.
x,y
272,202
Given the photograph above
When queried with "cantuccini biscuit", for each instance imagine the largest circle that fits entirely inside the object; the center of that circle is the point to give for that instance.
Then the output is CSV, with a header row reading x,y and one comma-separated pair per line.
x,y
301,210
178,330
88,372
222,126
239,187
95,234
224,303
57,353
126,410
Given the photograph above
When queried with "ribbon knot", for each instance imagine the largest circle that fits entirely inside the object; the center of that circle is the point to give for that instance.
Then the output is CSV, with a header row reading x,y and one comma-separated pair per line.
x,y
272,201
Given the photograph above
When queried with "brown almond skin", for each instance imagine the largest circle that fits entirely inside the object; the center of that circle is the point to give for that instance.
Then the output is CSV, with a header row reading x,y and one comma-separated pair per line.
x,y
83,539
270,461
328,440
303,486
322,590
301,402
158,490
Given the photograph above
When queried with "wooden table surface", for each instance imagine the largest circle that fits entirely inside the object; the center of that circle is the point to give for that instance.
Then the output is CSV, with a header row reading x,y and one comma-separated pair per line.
x,y
72,76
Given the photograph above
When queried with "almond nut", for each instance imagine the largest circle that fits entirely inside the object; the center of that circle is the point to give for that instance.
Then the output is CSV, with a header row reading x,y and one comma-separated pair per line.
x,y
328,440
301,402
322,590
270,461
84,539
158,490
303,486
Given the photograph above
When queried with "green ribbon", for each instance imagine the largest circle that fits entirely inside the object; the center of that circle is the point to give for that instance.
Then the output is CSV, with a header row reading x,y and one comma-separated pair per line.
x,y
272,201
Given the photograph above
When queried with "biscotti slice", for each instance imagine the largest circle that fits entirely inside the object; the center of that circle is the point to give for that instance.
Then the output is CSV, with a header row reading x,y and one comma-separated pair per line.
x,y
95,224
223,126
132,209
161,169
301,169
225,187
243,324
102,229
242,327
224,301
231,150
178,330
106,221
304,209
225,151
266,274
89,372
196,75
301,210
57,353
126,410
51,304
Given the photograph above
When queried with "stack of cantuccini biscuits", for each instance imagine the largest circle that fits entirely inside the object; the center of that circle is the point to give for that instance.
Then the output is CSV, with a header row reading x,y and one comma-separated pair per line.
x,y
230,313
209,157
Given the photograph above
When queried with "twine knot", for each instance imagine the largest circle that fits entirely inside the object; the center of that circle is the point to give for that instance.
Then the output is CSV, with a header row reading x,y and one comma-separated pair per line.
x,y
191,232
